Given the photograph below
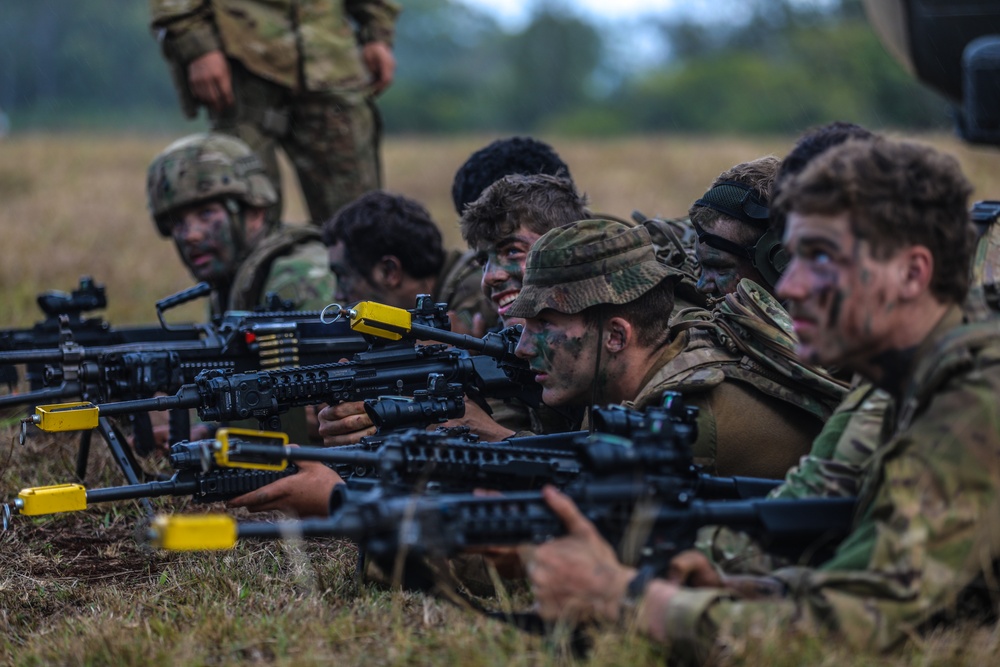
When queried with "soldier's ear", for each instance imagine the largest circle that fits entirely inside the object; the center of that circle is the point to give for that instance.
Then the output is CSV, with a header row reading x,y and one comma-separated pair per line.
x,y
918,271
618,334
388,272
253,223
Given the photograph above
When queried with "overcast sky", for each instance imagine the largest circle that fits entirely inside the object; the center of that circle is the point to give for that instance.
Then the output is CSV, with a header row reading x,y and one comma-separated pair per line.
x,y
514,13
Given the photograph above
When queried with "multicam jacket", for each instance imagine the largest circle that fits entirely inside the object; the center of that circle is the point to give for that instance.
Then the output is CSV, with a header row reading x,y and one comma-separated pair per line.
x,y
291,262
927,528
309,45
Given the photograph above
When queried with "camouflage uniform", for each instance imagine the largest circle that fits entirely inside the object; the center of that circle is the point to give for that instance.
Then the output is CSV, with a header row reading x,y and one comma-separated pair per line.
x,y
298,82
759,407
925,537
834,468
290,261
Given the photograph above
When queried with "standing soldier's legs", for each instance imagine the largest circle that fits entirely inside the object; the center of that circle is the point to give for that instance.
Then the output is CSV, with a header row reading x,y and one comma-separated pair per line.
x,y
333,146
260,119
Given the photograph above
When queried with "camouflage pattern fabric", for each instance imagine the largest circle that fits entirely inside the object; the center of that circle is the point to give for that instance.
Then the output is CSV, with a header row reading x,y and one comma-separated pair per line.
x,y
757,401
751,322
834,468
302,45
200,167
588,263
674,240
927,528
330,139
843,450
298,80
292,262
983,301
460,286
744,426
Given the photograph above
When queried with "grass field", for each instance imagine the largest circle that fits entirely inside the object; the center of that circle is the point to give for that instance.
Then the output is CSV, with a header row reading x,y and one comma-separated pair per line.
x,y
80,590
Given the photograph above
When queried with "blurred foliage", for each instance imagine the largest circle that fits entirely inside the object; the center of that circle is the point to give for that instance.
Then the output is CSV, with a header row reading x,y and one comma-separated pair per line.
x,y
770,66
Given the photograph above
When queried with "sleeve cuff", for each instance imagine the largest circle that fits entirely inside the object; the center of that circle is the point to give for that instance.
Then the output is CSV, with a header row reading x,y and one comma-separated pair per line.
x,y
194,43
686,612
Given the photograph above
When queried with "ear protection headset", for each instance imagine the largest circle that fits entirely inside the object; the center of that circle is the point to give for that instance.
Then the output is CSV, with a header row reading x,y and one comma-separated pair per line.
x,y
738,201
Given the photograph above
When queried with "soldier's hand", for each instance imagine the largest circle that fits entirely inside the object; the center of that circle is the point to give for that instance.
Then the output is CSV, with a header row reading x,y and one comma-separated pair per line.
x,y
480,423
344,423
211,82
577,576
692,568
304,494
381,63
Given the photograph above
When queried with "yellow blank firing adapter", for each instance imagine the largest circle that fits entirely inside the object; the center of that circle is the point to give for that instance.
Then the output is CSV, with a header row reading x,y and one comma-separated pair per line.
x,y
52,499
193,532
229,455
380,320
59,417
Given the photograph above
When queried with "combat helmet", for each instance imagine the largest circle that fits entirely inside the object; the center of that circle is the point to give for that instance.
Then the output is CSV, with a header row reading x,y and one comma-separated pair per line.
x,y
200,167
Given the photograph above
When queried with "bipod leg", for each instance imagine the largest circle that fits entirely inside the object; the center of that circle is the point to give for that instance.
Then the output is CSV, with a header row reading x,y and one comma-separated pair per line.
x,y
123,456
82,455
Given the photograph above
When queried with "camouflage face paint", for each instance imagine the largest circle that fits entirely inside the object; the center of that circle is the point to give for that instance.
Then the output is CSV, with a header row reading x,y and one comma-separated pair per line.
x,y
722,271
204,236
839,294
561,350
503,268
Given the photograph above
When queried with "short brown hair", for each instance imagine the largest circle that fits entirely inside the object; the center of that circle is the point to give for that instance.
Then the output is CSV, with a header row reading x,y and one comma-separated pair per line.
x,y
757,175
896,194
537,202
649,313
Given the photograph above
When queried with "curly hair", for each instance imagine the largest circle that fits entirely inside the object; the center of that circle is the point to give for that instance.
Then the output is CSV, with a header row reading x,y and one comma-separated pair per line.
x,y
379,223
538,202
896,194
503,157
812,143
758,175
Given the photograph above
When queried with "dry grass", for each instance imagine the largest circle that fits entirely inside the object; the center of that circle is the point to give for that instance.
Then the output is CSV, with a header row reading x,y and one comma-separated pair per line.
x,y
79,590
75,205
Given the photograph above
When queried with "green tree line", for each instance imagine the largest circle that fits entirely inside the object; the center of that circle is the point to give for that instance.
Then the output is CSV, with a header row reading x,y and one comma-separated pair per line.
x,y
776,66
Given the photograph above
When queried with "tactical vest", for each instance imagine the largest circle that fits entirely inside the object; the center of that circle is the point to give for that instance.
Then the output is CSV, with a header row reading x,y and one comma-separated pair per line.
x,y
254,270
748,337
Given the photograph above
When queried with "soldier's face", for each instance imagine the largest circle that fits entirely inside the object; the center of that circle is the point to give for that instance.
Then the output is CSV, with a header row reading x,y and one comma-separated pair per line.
x,y
841,298
503,269
352,284
721,271
204,237
561,349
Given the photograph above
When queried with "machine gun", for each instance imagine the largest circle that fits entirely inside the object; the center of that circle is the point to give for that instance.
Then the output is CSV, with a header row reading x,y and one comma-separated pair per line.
x,y
443,525
400,370
140,369
194,475
452,460
64,323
